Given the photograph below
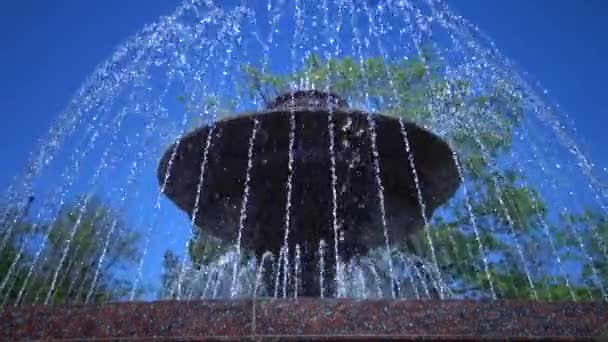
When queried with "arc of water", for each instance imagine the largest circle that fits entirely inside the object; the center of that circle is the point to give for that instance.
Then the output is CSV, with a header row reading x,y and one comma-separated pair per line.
x,y
290,163
236,284
407,268
258,281
422,26
543,113
583,163
591,263
432,275
81,103
102,164
584,249
363,286
244,202
407,6
274,20
83,278
446,14
199,187
70,177
10,223
277,271
350,274
372,269
79,294
422,23
289,185
576,234
374,30
410,155
297,271
216,14
443,15
338,276
131,179
466,30
243,212
541,219
13,265
561,269
218,282
375,153
86,93
64,126
473,221
508,217
208,283
260,270
549,237
412,264
322,268
157,204
194,213
8,197
69,173
79,274
417,35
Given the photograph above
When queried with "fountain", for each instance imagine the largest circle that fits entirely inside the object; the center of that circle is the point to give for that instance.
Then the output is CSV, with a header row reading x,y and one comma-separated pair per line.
x,y
347,169
310,214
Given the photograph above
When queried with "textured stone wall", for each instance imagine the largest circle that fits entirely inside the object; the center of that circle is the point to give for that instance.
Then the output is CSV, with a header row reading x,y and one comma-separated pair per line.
x,y
307,319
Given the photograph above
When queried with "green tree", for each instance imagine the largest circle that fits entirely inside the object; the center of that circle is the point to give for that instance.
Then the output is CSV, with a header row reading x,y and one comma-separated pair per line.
x,y
101,248
502,210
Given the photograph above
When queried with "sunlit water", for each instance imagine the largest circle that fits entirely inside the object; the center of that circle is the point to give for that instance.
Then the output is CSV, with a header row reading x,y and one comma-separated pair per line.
x,y
186,70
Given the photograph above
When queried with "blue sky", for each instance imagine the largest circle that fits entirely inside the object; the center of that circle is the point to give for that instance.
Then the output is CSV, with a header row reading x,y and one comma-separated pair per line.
x,y
561,43
50,47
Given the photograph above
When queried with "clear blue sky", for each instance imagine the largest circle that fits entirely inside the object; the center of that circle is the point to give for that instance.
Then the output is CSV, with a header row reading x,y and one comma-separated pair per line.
x,y
49,47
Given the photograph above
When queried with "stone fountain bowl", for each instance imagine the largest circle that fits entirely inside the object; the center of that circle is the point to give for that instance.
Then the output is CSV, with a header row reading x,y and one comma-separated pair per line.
x,y
311,215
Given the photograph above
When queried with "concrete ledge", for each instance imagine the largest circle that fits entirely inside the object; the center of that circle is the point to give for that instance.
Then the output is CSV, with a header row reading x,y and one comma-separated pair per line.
x,y
306,319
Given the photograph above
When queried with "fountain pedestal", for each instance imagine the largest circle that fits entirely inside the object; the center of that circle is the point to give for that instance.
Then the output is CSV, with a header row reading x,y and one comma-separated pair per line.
x,y
309,320
329,200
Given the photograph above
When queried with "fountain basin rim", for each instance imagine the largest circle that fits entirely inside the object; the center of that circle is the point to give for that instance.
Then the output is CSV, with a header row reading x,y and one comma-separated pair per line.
x,y
309,319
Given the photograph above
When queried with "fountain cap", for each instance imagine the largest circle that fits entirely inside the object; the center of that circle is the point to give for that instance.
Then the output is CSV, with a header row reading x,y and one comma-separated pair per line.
x,y
307,98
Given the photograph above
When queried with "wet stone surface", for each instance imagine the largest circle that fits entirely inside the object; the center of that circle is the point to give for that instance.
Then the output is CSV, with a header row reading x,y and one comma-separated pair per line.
x,y
159,319
306,319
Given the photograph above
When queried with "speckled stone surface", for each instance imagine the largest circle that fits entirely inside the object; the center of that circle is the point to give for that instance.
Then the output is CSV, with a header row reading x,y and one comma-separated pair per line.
x,y
307,319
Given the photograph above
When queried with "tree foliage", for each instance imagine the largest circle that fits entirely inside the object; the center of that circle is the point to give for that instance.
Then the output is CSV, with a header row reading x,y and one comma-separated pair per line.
x,y
489,238
87,244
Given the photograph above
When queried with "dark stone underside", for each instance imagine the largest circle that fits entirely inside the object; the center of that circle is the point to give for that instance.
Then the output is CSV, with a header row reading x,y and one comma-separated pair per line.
x,y
311,211
307,319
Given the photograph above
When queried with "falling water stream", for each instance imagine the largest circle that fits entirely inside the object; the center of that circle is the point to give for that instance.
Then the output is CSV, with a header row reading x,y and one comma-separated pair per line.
x,y
209,61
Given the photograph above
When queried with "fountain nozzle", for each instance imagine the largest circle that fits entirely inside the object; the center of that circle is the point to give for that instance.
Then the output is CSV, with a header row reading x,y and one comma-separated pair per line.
x,y
311,98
